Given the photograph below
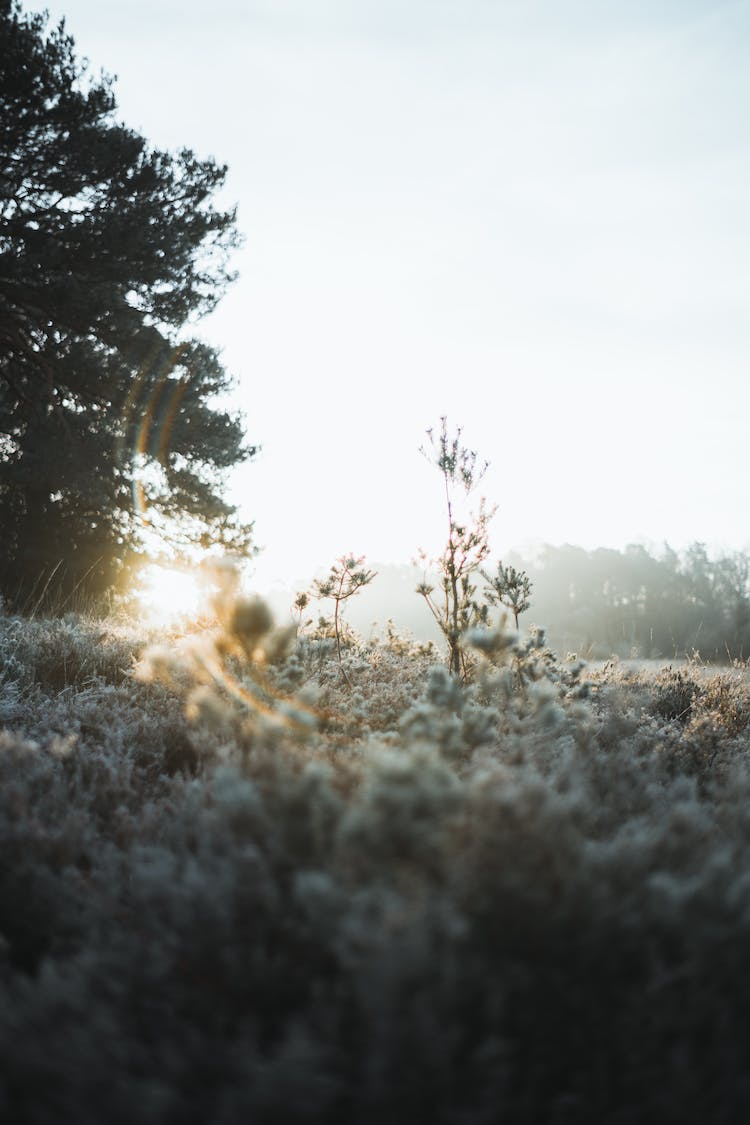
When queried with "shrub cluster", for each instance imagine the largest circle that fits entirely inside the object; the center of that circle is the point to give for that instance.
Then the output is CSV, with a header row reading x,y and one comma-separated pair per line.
x,y
525,898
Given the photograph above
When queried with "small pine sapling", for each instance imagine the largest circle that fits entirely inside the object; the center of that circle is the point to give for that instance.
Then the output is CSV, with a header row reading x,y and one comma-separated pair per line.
x,y
346,577
510,588
300,604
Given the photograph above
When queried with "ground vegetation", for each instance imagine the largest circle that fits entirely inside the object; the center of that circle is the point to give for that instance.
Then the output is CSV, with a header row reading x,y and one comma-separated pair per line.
x,y
232,888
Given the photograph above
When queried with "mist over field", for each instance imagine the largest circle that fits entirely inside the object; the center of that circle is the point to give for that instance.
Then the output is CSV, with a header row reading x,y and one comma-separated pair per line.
x,y
660,605
529,217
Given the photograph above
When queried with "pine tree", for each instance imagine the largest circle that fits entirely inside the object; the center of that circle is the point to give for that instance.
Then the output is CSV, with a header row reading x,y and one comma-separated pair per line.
x,y
108,249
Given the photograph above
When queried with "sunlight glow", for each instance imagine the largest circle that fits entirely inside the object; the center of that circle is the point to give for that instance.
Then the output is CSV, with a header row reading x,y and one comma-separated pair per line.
x,y
170,593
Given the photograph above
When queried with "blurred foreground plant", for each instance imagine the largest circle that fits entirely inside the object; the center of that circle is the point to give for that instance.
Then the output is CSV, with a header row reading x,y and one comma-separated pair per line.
x,y
232,665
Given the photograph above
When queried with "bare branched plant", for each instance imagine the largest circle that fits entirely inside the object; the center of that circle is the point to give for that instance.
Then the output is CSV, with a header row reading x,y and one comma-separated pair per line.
x,y
455,606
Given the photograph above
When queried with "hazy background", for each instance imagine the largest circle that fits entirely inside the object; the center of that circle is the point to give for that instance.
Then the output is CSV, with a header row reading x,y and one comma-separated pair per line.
x,y
529,216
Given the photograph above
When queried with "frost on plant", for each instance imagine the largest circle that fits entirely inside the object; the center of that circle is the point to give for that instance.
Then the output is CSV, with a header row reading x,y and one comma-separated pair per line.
x,y
508,587
457,605
347,576
465,902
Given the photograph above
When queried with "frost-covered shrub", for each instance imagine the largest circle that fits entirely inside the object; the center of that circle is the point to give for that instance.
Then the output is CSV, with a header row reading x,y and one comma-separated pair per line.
x,y
725,698
674,693
449,718
517,899
60,652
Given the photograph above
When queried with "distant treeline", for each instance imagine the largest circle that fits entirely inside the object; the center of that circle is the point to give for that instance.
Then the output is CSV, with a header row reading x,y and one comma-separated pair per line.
x,y
632,602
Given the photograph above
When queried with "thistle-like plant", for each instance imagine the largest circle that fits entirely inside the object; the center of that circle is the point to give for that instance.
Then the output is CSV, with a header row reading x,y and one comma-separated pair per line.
x,y
230,670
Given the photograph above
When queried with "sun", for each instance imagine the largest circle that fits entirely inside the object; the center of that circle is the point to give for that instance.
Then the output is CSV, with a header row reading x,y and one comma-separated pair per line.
x,y
168,593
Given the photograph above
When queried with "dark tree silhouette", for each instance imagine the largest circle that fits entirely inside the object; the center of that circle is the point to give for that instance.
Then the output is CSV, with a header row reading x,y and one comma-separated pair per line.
x,y
108,249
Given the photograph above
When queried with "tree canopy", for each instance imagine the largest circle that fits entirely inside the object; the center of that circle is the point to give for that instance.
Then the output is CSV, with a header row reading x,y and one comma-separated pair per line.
x,y
656,605
109,248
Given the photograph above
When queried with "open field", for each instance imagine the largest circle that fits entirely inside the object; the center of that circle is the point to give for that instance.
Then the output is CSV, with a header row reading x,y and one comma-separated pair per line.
x,y
525,899
707,669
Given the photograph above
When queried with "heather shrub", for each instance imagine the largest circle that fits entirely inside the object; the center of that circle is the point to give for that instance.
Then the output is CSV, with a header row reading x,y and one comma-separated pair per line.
x,y
674,694
58,652
524,897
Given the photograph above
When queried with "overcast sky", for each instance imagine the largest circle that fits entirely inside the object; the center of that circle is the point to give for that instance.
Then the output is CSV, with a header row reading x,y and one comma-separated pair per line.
x,y
530,216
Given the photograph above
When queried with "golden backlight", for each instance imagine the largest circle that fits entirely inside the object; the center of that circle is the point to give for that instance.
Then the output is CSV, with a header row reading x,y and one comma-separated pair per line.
x,y
170,593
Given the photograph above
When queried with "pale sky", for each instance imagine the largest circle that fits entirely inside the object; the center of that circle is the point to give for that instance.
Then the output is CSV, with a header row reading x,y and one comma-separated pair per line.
x,y
530,215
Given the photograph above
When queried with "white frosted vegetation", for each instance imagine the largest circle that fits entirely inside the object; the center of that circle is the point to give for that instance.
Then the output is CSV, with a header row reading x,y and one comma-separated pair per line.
x,y
523,897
